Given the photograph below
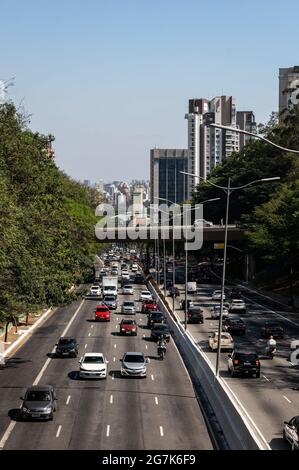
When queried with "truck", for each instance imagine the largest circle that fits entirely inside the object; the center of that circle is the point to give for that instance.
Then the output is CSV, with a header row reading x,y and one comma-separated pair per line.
x,y
109,286
191,287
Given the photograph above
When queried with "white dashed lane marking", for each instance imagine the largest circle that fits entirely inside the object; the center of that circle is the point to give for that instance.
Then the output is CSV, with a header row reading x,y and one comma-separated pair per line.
x,y
68,400
111,399
161,431
108,430
58,431
286,398
152,377
156,401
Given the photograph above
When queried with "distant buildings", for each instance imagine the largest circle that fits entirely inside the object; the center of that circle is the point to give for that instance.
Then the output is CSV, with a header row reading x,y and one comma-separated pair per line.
x,y
208,146
166,180
288,89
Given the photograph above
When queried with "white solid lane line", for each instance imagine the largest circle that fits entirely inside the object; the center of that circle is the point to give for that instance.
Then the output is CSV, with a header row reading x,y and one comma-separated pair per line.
x,y
58,430
7,434
108,430
161,431
286,398
156,401
111,399
68,400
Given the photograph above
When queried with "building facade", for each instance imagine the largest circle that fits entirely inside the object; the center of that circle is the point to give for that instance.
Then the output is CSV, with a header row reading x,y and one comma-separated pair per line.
x,y
288,89
166,180
208,146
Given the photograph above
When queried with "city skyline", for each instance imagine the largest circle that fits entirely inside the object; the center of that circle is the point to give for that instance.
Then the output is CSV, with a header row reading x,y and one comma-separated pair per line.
x,y
107,72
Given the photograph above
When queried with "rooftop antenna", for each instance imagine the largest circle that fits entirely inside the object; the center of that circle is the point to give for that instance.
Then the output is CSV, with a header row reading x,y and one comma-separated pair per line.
x,y
4,85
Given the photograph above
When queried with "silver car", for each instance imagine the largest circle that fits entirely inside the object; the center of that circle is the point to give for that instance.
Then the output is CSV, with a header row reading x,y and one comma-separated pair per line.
x,y
128,307
110,301
128,290
134,364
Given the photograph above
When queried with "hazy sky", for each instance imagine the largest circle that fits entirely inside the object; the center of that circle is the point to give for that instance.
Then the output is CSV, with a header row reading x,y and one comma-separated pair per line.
x,y
111,79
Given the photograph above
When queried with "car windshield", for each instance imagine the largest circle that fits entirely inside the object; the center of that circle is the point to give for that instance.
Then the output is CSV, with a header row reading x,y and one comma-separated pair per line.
x,y
246,356
145,292
129,304
134,358
38,395
161,327
65,341
127,287
109,298
236,322
102,309
94,359
128,322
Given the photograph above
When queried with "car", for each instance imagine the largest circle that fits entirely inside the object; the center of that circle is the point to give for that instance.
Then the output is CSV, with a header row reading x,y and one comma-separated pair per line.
x,y
134,267
114,271
244,363
226,341
128,289
66,346
195,315
173,291
272,329
110,301
124,272
102,313
128,327
134,364
145,295
148,306
190,304
138,279
291,432
217,295
215,312
237,305
202,222
95,290
158,330
155,317
235,293
128,307
234,325
93,365
39,402
125,277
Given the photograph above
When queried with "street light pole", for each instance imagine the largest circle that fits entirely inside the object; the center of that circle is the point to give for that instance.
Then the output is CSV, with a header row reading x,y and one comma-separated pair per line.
x,y
223,277
228,190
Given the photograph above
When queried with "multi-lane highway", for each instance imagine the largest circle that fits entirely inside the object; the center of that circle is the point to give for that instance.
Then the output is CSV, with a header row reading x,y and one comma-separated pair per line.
x,y
158,412
274,397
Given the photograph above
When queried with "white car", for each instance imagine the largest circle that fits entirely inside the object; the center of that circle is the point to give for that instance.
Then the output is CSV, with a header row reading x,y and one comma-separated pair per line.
x,y
125,276
93,366
237,305
134,268
128,307
215,312
217,295
95,290
291,432
226,341
124,272
202,222
145,295
128,290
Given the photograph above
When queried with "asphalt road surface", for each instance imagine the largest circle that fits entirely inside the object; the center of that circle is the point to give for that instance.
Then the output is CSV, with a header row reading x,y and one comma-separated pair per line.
x,y
158,412
274,397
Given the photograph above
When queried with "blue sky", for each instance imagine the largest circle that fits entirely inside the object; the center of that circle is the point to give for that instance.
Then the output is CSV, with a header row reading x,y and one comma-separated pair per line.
x,y
112,79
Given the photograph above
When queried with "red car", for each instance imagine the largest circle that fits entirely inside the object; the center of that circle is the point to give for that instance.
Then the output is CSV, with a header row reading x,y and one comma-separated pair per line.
x,y
128,327
149,305
102,313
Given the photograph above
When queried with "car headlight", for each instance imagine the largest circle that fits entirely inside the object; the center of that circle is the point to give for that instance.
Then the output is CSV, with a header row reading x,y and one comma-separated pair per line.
x,y
25,409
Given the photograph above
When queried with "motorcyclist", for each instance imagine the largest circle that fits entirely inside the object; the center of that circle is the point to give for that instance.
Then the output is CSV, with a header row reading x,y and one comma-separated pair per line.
x,y
271,345
161,345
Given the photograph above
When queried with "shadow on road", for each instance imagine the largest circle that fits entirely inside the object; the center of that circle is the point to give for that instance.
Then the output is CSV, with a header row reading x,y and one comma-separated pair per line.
x,y
14,414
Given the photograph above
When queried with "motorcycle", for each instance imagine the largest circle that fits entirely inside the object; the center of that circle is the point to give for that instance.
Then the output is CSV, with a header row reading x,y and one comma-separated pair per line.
x,y
161,352
271,350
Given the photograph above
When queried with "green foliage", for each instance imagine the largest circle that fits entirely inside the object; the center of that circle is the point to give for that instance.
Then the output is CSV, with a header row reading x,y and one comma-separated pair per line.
x,y
47,240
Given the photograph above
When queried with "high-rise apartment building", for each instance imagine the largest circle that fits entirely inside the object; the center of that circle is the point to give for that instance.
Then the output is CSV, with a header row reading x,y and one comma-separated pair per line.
x,y
246,122
166,180
209,146
288,89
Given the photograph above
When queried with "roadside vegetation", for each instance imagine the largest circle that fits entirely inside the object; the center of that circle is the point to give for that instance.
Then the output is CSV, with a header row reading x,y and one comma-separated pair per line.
x,y
47,240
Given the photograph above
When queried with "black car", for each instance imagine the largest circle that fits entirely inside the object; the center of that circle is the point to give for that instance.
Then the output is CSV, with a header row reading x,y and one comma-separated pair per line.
x,y
244,363
190,304
272,329
235,293
195,315
39,403
234,325
158,330
138,279
155,317
67,346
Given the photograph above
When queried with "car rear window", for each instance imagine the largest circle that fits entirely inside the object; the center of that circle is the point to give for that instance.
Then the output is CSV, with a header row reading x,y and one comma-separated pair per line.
x,y
102,309
246,356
